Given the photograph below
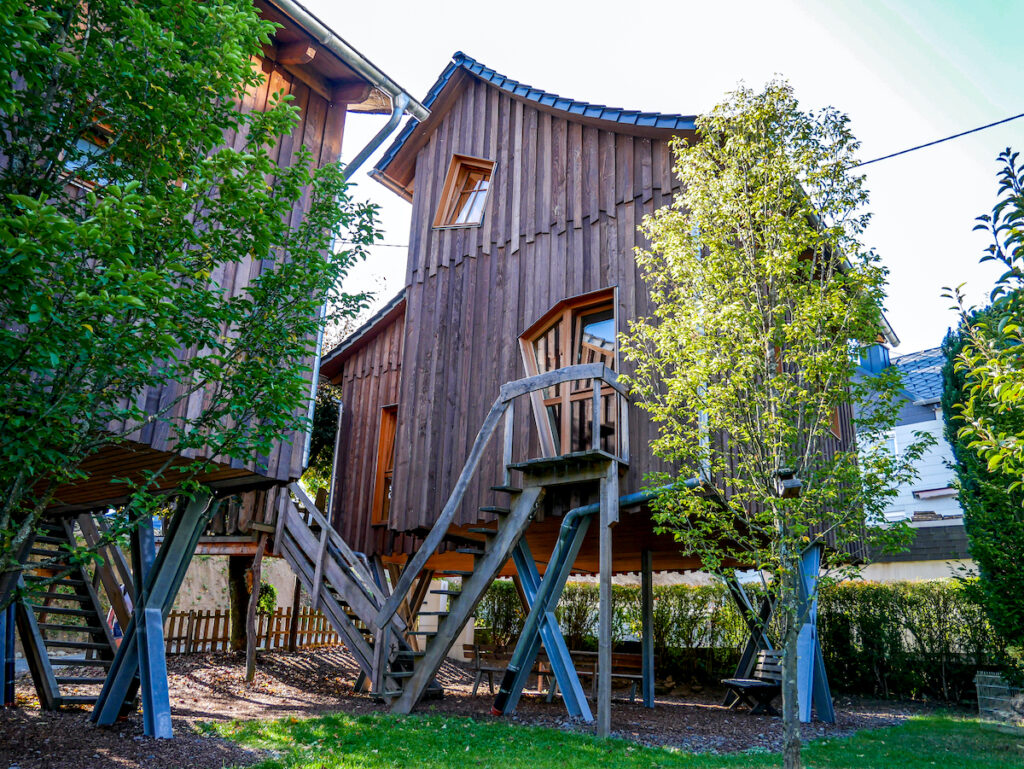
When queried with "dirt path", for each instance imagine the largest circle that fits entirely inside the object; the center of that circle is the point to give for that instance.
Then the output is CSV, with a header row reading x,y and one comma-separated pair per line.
x,y
210,688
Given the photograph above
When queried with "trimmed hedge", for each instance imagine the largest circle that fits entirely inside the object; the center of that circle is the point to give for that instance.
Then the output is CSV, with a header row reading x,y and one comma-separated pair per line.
x,y
916,640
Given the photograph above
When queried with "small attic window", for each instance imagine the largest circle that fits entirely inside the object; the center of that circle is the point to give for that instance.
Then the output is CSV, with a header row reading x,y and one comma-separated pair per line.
x,y
464,193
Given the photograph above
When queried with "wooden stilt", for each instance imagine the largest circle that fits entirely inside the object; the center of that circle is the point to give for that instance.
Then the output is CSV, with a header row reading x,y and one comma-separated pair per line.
x,y
647,622
251,637
293,621
7,622
609,516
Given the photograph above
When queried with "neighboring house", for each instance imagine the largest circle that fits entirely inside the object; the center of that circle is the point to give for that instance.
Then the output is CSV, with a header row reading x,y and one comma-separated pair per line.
x,y
929,503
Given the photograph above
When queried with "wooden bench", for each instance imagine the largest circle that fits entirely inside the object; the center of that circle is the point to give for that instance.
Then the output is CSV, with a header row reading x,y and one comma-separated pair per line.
x,y
764,686
625,665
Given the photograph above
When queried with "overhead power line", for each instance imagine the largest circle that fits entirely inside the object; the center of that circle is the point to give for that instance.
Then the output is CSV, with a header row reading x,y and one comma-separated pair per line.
x,y
940,141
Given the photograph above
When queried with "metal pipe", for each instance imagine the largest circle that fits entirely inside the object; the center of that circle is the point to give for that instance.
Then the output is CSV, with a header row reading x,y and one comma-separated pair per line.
x,y
401,101
549,584
330,40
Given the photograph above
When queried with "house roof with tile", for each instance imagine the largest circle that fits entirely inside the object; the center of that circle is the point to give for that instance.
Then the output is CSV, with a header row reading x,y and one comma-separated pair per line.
x,y
922,373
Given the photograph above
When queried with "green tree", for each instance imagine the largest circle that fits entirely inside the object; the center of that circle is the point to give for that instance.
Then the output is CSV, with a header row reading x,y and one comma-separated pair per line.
x,y
992,358
130,183
984,413
763,297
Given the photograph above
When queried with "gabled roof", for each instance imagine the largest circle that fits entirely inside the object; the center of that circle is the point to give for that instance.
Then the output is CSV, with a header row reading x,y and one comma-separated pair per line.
x,y
331,362
634,120
922,373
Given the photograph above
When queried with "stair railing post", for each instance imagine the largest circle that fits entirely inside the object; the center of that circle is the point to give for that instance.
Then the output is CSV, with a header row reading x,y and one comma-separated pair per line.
x,y
595,427
318,575
510,419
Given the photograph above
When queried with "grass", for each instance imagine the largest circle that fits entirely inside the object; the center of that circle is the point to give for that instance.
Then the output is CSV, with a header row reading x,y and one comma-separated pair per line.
x,y
432,742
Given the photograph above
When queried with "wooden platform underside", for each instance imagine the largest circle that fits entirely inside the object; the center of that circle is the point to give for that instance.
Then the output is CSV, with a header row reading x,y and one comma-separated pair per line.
x,y
633,534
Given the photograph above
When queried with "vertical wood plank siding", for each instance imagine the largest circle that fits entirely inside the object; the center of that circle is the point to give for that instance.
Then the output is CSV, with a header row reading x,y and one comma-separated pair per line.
x,y
369,381
560,220
320,128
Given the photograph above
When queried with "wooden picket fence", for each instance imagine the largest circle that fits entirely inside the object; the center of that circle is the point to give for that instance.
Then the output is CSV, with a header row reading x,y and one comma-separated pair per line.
x,y
208,630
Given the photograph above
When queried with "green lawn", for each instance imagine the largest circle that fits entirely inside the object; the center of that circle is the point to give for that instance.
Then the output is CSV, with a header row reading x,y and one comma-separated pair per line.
x,y
368,742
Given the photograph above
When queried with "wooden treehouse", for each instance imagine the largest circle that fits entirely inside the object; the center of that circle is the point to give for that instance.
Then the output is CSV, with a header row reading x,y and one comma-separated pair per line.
x,y
484,431
64,626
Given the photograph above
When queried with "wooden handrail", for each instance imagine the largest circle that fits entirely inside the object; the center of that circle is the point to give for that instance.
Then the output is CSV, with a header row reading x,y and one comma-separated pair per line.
x,y
508,393
352,561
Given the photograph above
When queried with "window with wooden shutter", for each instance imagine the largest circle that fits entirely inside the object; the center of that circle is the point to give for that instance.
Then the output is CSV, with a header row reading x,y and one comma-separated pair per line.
x,y
464,193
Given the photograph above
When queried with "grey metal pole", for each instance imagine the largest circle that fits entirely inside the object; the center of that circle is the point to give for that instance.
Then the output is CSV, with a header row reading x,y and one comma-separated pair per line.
x,y
647,621
609,516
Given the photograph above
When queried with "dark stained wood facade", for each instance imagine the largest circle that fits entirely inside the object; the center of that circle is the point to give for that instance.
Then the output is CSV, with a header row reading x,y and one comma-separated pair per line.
x,y
560,220
324,89
368,370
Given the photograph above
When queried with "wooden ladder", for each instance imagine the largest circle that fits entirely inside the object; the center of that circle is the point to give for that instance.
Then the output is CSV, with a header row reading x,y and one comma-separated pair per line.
x,y
61,623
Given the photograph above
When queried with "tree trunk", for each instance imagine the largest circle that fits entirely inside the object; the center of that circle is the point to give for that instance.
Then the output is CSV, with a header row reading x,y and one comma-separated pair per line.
x,y
251,641
790,605
238,598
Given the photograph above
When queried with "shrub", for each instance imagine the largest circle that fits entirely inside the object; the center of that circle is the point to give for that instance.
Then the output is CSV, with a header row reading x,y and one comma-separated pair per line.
x,y
501,612
267,601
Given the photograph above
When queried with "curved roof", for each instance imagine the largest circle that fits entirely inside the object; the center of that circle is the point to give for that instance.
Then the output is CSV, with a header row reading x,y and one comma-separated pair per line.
x,y
462,63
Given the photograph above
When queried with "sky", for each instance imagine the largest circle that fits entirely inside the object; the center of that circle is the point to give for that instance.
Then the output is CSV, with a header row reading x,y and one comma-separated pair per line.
x,y
905,71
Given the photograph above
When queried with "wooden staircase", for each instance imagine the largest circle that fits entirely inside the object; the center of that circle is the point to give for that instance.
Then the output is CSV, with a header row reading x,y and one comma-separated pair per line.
x,y
400,661
61,623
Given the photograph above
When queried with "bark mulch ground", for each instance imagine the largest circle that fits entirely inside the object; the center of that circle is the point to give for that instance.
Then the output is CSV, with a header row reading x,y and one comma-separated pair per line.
x,y
208,687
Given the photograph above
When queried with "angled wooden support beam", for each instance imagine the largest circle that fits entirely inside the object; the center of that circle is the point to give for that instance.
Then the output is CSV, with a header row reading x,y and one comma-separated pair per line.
x,y
35,654
757,635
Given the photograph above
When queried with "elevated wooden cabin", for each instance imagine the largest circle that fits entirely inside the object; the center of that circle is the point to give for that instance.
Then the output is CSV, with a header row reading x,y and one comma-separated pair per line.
x,y
328,79
525,209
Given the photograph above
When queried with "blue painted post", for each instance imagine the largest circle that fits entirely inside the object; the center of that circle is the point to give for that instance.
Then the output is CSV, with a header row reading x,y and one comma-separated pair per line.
x,y
647,624
7,623
558,652
160,587
812,682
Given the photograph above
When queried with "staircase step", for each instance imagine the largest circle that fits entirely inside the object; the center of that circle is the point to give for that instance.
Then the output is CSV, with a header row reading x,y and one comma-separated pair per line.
x,y
408,653
79,680
482,530
60,661
457,573
47,553
69,582
63,610
421,632
434,614
69,628
399,674
445,591
78,700
60,596
49,642
52,540
471,550
496,510
507,489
